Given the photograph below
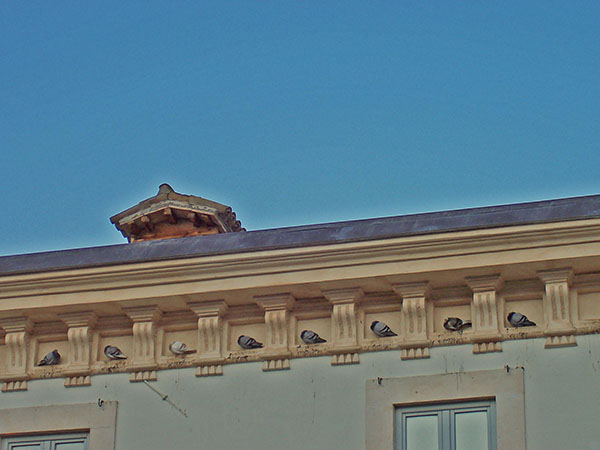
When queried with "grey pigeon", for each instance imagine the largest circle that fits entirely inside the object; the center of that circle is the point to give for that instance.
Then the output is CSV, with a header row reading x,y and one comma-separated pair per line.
x,y
519,320
113,352
310,337
456,324
51,359
381,329
179,348
248,343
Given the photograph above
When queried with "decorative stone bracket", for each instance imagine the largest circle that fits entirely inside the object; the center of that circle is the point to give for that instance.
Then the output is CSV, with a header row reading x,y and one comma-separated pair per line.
x,y
484,313
80,336
276,307
414,319
18,330
143,362
209,356
559,330
343,325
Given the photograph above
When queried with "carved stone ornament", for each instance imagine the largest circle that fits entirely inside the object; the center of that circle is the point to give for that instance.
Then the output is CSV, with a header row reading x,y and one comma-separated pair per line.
x,y
484,313
559,330
343,325
79,335
209,357
143,363
276,355
414,319
14,377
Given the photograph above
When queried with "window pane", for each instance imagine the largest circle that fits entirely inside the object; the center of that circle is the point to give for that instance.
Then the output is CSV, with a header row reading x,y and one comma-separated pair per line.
x,y
422,432
471,430
79,445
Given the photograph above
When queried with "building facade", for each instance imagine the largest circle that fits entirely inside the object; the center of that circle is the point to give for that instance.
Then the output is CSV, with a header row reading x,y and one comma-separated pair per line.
x,y
494,384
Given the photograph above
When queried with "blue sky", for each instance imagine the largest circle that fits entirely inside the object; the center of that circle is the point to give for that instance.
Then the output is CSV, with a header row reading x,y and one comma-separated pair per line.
x,y
290,112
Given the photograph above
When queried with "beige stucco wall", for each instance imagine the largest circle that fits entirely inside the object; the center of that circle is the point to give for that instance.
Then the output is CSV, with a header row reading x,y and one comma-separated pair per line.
x,y
317,405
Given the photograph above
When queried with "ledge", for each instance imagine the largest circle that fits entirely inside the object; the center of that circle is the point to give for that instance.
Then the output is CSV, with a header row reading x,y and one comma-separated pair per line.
x,y
283,363
281,360
333,290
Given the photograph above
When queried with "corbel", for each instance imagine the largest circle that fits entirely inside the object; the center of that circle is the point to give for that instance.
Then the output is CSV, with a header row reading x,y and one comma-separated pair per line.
x,y
143,363
559,329
486,336
343,325
209,356
18,331
79,335
414,334
276,355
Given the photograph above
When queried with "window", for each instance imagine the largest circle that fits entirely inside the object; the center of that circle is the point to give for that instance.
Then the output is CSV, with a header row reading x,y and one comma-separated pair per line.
x,y
387,399
51,427
77,441
452,426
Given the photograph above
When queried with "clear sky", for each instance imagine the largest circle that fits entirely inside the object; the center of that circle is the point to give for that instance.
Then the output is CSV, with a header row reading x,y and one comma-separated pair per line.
x,y
290,112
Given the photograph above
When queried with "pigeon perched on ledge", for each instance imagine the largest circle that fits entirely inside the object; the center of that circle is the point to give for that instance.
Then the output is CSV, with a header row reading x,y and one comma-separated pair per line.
x,y
456,324
248,343
179,348
381,329
519,320
113,352
310,337
51,359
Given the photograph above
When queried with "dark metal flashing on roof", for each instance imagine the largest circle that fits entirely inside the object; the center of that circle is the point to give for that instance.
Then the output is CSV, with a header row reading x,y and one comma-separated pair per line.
x,y
576,208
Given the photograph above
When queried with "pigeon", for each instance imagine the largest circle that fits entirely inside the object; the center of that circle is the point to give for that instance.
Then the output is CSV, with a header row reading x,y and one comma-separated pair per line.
x,y
381,329
248,343
179,348
51,359
310,337
113,352
519,320
456,324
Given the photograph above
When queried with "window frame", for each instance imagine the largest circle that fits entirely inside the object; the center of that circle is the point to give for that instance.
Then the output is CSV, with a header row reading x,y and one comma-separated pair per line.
x,y
384,395
48,441
446,416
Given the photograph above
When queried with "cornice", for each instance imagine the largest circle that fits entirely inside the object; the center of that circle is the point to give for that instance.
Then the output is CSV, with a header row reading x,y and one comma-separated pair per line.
x,y
340,316
336,291
448,251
